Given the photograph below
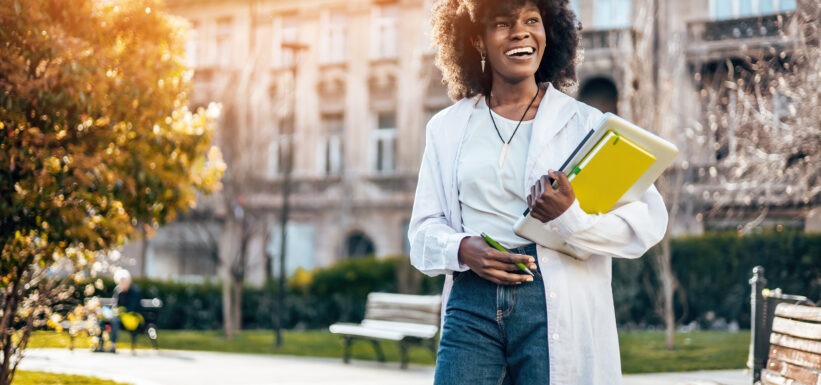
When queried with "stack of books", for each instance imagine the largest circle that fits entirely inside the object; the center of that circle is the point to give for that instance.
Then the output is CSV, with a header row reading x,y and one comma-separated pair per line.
x,y
614,164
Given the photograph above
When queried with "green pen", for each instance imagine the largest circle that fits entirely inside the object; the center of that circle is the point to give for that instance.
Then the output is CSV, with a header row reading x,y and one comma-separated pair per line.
x,y
501,248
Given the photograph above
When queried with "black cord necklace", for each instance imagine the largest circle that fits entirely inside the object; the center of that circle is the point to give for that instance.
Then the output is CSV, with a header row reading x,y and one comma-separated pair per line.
x,y
506,145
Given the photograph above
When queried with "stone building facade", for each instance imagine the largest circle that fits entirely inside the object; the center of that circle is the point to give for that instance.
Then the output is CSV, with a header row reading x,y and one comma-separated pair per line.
x,y
352,99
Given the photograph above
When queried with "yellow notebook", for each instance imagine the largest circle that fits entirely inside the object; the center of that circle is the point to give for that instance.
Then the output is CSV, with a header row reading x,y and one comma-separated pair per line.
x,y
606,173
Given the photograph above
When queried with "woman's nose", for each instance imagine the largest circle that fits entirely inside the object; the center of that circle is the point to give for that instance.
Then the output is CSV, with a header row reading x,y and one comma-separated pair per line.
x,y
520,32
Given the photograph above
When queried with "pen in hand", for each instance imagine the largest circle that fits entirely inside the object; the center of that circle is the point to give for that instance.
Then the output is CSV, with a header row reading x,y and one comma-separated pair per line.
x,y
501,248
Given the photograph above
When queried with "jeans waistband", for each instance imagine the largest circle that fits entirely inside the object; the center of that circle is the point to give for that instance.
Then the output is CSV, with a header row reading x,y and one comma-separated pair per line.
x,y
526,249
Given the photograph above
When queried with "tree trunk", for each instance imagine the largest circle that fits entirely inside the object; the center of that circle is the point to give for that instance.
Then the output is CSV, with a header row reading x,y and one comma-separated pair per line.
x,y
227,251
669,185
236,311
143,250
6,374
665,275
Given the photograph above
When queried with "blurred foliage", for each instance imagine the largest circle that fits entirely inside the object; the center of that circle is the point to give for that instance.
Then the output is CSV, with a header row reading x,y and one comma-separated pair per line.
x,y
315,299
713,271
95,139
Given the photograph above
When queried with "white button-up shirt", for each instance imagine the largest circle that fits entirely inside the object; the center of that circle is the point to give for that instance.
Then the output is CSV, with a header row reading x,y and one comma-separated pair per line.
x,y
581,324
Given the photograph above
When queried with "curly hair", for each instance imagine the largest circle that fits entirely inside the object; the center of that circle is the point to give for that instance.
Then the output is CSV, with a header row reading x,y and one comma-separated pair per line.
x,y
455,22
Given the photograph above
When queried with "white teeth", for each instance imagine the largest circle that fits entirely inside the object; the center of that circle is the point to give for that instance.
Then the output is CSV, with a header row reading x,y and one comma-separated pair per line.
x,y
526,50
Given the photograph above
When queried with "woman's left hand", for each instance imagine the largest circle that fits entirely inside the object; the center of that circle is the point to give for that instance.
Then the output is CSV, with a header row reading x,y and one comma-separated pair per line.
x,y
547,203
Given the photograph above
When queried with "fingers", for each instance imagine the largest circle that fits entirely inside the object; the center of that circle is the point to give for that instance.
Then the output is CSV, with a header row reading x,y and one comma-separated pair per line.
x,y
505,278
501,268
561,180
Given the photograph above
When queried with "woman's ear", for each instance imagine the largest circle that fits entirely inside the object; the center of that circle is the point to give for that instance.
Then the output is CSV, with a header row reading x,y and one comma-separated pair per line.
x,y
478,44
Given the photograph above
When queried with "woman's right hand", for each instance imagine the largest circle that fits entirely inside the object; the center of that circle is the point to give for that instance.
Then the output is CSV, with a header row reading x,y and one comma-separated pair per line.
x,y
494,265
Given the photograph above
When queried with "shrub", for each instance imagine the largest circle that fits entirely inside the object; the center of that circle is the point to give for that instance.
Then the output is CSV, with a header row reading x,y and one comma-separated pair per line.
x,y
713,271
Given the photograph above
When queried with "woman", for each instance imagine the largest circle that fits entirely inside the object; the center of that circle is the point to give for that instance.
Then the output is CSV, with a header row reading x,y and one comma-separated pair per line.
x,y
483,165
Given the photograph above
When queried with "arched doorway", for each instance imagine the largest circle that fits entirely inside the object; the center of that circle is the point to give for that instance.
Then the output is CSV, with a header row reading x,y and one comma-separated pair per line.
x,y
359,244
601,93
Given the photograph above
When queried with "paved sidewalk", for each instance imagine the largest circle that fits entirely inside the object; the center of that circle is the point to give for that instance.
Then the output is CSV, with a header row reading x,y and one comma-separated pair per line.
x,y
170,367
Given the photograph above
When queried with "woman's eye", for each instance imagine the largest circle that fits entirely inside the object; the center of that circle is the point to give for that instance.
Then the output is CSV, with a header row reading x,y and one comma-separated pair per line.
x,y
532,20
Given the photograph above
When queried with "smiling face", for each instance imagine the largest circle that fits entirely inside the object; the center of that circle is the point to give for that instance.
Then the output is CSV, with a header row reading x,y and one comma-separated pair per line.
x,y
514,44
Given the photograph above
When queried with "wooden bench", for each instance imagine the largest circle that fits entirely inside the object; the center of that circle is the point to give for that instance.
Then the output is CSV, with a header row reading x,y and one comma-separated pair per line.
x,y
408,319
786,335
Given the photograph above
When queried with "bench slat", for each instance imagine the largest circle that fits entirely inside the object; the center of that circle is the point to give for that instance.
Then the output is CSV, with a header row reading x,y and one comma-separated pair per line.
x,y
424,309
408,299
797,357
362,331
793,372
797,328
403,315
769,377
409,329
799,312
795,343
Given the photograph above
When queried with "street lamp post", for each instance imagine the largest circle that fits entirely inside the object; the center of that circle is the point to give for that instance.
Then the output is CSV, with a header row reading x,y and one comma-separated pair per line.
x,y
288,161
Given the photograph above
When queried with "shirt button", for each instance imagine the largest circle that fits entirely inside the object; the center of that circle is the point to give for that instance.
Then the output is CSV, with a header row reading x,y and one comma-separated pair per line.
x,y
544,259
555,229
555,336
552,295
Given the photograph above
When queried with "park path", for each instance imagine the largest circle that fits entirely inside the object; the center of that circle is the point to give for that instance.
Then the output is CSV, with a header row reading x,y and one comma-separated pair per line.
x,y
173,367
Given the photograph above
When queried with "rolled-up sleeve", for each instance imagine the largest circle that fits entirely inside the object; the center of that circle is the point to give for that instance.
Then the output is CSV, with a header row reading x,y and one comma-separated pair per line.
x,y
627,231
434,244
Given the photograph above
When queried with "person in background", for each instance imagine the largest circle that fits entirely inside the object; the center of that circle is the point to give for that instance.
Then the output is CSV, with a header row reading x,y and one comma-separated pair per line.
x,y
126,298
487,158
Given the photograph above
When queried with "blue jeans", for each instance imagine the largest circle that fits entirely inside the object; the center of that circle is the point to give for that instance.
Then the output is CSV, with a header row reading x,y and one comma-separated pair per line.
x,y
494,334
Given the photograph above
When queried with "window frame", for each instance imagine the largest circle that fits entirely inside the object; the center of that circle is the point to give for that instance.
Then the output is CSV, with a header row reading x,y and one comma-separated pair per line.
x,y
385,31
224,44
331,145
285,30
384,162
333,36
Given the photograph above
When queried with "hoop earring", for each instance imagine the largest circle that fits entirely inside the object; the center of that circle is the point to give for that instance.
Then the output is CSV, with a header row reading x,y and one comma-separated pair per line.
x,y
483,62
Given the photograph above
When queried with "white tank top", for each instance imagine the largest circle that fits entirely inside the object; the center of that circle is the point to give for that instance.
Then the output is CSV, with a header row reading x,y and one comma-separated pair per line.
x,y
491,197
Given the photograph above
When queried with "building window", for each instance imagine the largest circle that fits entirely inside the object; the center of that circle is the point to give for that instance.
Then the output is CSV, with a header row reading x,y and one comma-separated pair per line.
x,y
384,142
286,30
359,245
611,14
299,249
334,36
385,31
224,54
330,145
601,93
192,45
278,149
731,9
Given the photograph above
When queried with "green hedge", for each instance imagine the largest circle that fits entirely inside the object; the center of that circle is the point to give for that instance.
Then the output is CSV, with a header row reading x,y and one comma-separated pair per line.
x,y
314,300
712,270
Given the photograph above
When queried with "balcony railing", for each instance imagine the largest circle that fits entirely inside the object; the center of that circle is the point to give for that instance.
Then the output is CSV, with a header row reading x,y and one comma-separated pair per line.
x,y
769,26
606,39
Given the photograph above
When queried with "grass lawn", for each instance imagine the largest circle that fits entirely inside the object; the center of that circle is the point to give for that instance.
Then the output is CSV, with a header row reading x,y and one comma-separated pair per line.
x,y
645,352
641,352
41,378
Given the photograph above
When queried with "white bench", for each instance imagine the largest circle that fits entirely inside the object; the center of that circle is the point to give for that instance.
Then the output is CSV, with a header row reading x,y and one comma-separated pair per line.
x,y
407,319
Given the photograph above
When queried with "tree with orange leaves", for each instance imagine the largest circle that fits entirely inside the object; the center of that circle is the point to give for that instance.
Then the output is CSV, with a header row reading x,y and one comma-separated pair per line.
x,y
95,140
